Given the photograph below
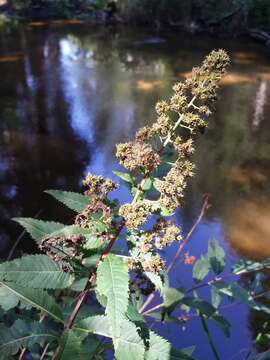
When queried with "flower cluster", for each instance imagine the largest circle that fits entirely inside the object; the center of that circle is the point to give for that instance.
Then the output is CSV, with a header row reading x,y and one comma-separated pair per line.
x,y
98,186
188,107
144,253
183,148
135,214
137,155
165,232
62,248
172,186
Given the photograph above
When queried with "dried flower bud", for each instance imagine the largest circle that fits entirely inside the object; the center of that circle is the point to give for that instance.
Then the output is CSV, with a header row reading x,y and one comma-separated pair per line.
x,y
134,155
145,133
153,264
135,214
97,185
189,260
184,149
178,103
162,108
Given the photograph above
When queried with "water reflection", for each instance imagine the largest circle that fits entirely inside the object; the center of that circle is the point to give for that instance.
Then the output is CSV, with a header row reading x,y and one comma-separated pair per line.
x,y
71,92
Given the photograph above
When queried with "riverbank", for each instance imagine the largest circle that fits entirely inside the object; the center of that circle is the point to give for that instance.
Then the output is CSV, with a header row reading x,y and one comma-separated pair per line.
x,y
11,19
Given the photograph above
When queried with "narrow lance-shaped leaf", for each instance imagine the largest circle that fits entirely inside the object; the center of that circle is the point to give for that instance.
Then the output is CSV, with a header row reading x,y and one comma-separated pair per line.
x,y
39,229
112,282
75,201
35,271
38,298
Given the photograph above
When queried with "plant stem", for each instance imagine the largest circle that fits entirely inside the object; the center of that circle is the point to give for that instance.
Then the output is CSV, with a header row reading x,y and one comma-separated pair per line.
x,y
44,352
190,233
81,298
210,340
179,251
181,117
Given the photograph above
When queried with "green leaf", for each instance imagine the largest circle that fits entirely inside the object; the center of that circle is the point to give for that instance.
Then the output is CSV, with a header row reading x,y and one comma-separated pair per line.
x,y
75,201
243,266
93,242
172,296
215,297
8,300
262,356
155,279
21,334
201,269
216,256
38,229
160,349
201,305
222,323
112,282
37,298
125,176
129,344
70,346
36,271
147,184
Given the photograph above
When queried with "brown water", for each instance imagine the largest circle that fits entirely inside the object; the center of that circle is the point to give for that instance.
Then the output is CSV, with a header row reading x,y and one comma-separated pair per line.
x,y
69,92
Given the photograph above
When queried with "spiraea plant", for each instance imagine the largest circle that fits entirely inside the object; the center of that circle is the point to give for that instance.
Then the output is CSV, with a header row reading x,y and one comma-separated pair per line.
x,y
81,298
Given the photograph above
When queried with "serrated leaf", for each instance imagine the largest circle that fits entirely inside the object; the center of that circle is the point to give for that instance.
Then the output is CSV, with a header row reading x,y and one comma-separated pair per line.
x,y
125,176
70,346
216,256
112,282
129,344
155,279
35,271
75,201
38,229
161,349
201,269
21,334
38,298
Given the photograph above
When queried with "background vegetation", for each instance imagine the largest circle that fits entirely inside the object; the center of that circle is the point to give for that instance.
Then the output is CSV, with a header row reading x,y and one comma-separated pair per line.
x,y
206,13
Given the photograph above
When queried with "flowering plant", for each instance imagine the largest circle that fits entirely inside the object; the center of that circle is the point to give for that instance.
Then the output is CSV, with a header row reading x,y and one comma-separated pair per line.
x,y
81,297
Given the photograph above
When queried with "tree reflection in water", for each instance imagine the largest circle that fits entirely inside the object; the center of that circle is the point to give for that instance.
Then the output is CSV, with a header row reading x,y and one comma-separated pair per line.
x,y
70,92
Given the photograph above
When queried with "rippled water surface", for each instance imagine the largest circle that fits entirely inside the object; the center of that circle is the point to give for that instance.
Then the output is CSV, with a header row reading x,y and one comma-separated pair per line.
x,y
69,92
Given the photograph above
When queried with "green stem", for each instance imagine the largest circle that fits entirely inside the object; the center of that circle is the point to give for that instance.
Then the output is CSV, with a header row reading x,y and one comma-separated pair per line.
x,y
210,340
138,192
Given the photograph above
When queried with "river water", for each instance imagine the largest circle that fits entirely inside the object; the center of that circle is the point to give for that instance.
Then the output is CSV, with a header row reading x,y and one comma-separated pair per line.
x,y
70,91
